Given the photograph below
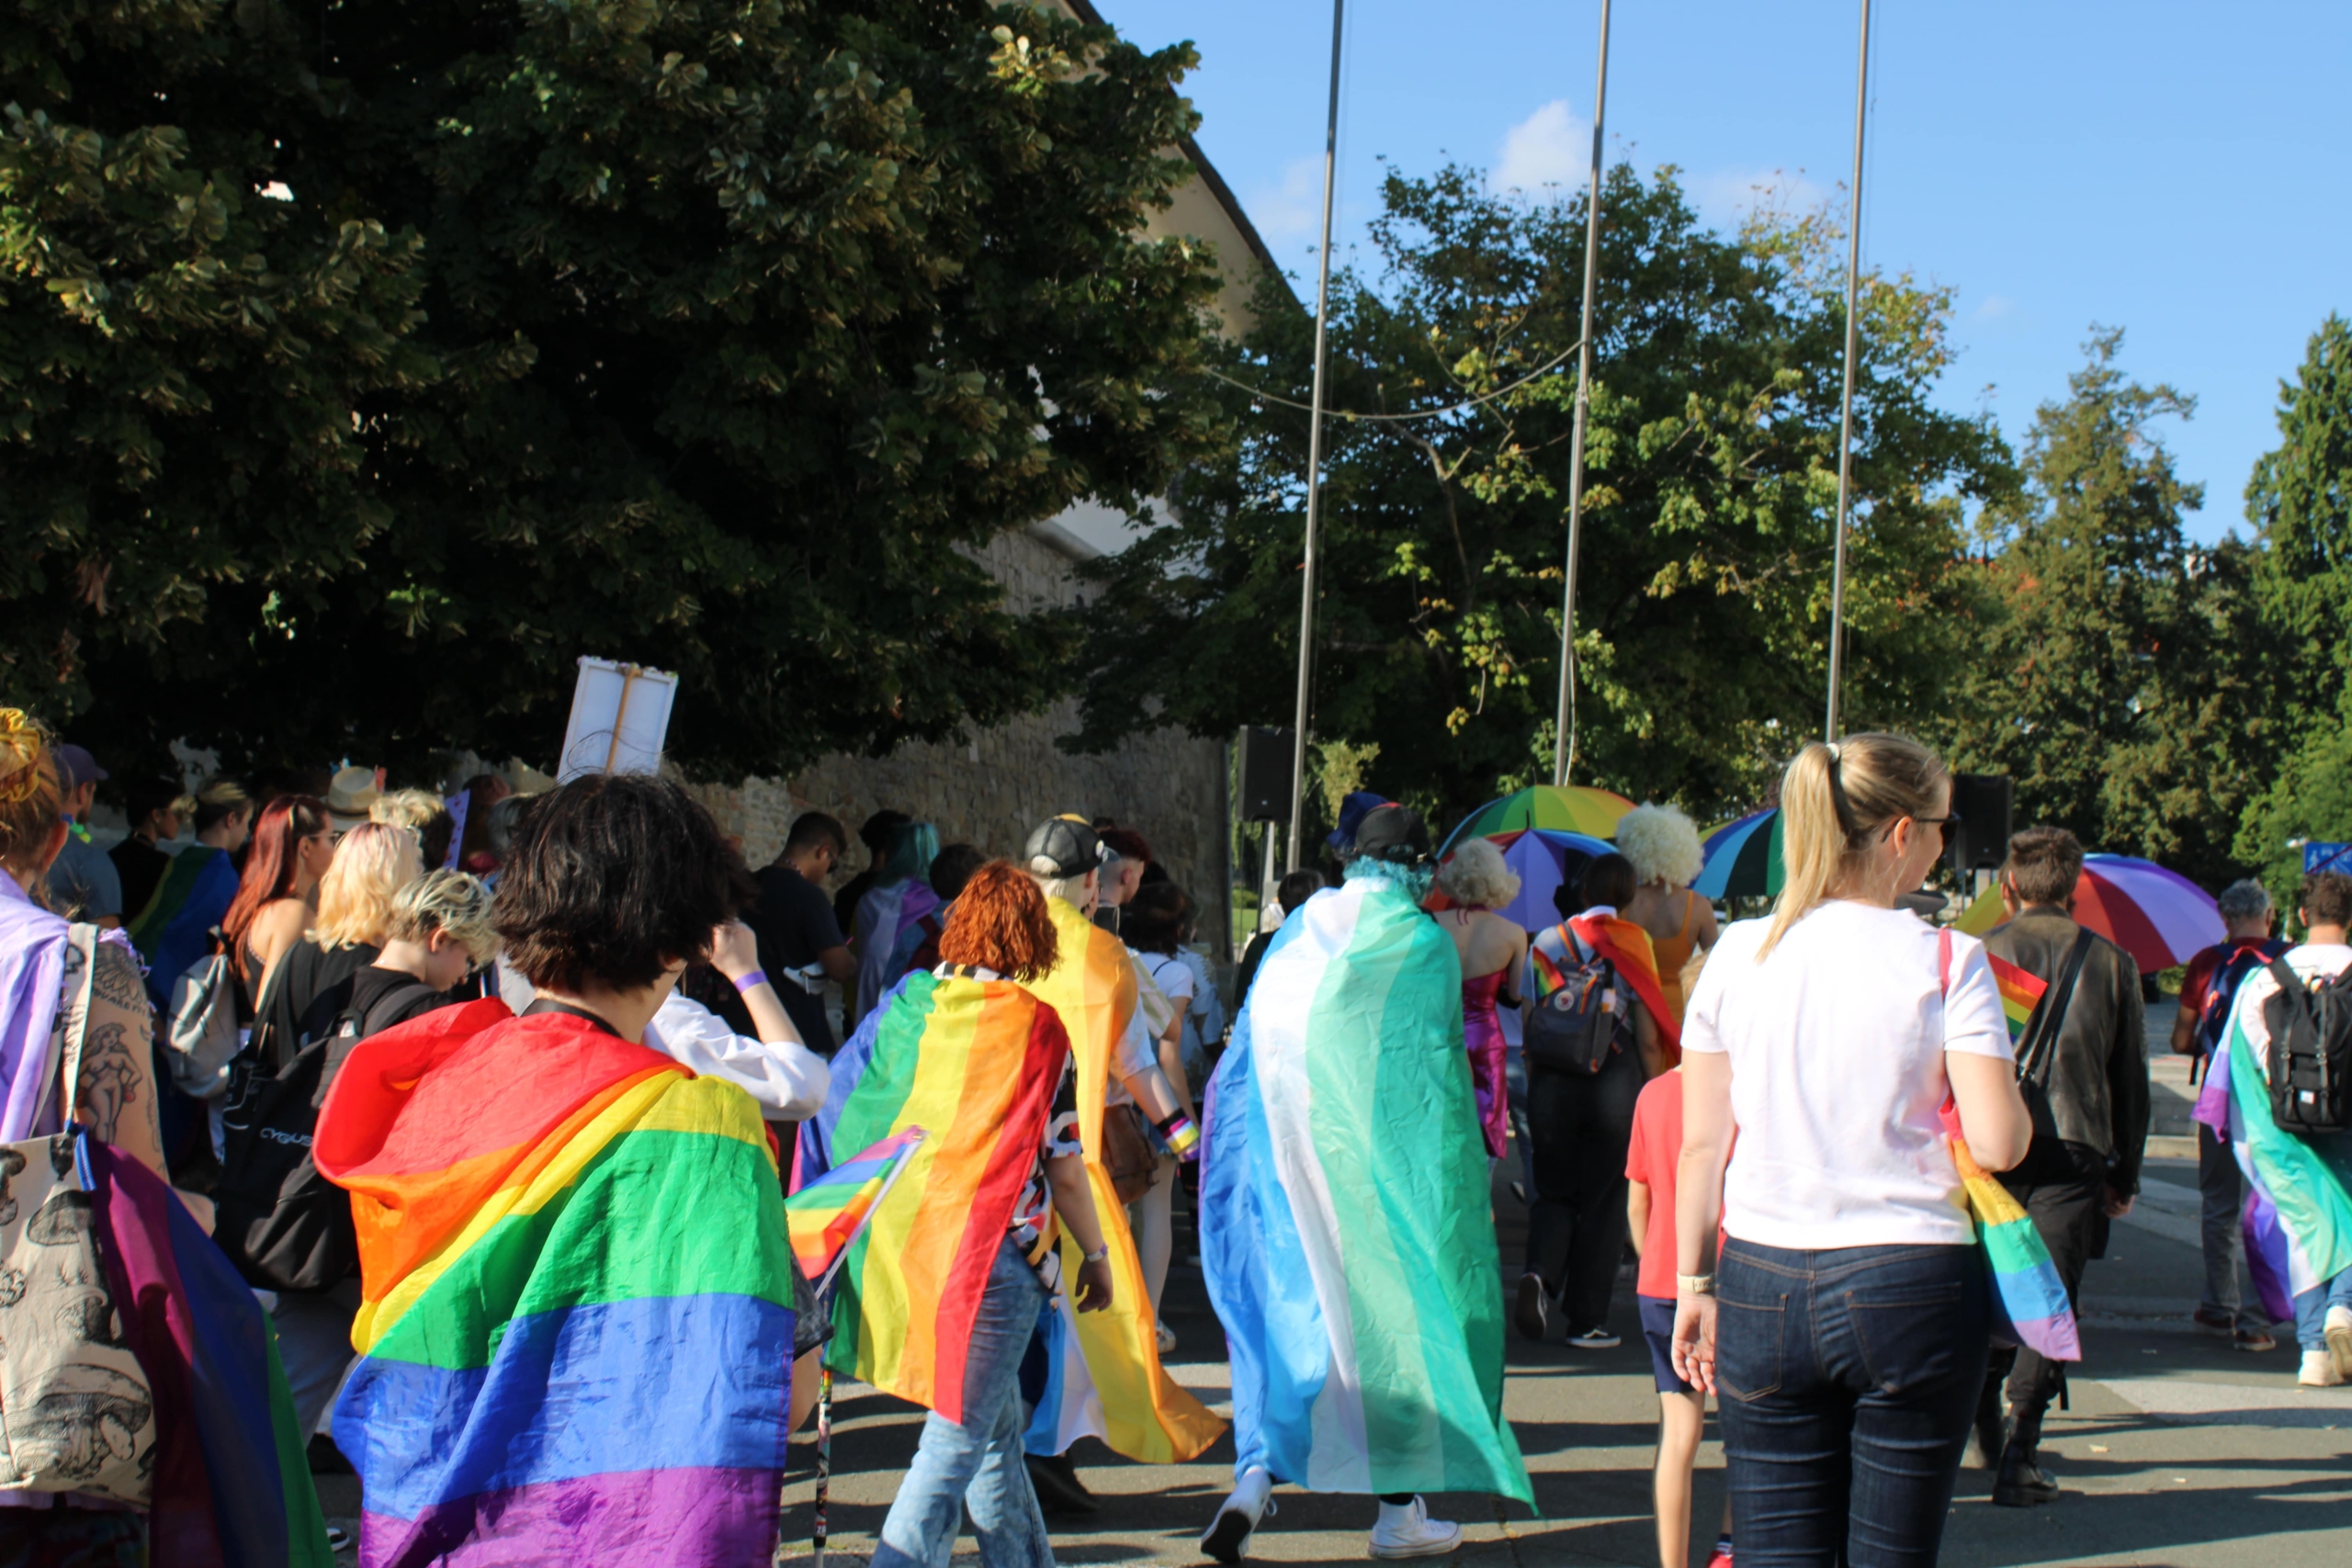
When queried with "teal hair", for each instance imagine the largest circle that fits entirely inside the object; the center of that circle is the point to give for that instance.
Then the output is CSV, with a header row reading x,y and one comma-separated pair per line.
x,y
912,849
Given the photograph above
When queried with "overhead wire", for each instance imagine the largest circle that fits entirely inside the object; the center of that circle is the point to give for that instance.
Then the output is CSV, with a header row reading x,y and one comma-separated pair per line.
x,y
1484,398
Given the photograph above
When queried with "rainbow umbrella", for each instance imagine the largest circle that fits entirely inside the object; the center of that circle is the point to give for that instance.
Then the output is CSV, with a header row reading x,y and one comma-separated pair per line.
x,y
2159,917
1577,808
1743,859
1543,859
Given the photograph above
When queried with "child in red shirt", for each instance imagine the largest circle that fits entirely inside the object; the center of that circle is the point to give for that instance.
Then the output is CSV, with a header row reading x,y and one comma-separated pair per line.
x,y
1650,1161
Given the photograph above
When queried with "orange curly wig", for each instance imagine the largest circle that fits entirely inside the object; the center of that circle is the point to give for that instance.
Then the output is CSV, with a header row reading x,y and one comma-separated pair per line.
x,y
1000,922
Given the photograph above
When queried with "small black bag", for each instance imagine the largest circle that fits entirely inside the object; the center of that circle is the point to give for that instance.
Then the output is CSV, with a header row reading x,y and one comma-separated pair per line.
x,y
2038,1050
2311,1051
1573,1028
284,1226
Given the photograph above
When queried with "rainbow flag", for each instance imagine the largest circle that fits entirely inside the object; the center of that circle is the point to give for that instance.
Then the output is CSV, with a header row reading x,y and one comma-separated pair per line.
x,y
977,1062
2020,990
827,1215
2029,1304
575,1332
175,928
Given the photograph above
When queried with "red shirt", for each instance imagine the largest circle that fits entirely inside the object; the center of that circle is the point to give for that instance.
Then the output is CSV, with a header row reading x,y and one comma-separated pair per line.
x,y
1650,1159
2203,969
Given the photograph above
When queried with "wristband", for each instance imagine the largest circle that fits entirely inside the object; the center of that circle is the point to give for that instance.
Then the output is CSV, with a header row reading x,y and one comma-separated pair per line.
x,y
1697,1284
1097,1256
756,977
1182,1136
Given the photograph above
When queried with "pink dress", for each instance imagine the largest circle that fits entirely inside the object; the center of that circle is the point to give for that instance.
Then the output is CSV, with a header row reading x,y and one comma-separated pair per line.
x,y
1482,1034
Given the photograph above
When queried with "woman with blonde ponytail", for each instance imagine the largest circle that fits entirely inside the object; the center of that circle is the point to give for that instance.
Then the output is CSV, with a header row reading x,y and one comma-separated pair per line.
x,y
1847,1325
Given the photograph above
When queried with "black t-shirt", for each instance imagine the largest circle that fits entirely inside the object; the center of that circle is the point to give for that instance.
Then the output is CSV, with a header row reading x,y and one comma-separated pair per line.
x,y
371,986
139,866
846,902
794,924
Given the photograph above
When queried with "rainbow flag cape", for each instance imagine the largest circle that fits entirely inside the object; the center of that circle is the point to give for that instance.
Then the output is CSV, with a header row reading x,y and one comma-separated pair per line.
x,y
1345,1222
827,1215
2029,1304
575,1332
175,928
1628,949
1104,1377
231,1482
2020,990
2298,1214
977,1062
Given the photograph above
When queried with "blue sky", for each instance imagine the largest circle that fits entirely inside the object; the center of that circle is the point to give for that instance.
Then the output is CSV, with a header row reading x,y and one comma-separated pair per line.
x,y
2183,172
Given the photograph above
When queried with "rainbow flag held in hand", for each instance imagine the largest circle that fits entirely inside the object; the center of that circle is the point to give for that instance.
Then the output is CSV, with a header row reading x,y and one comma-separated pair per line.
x,y
2029,1304
575,1331
827,1215
2020,990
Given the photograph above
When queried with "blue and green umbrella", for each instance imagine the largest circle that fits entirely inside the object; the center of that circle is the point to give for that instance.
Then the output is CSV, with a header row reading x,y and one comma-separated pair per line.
x,y
1743,859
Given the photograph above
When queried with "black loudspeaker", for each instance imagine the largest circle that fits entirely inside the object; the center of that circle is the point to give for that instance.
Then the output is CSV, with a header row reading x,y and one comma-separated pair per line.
x,y
1987,804
1266,757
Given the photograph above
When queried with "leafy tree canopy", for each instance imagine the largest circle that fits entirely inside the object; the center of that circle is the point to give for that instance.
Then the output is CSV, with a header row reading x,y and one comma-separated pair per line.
x,y
1704,581
718,336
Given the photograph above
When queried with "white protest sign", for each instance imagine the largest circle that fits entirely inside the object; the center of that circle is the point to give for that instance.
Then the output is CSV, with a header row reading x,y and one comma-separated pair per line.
x,y
620,717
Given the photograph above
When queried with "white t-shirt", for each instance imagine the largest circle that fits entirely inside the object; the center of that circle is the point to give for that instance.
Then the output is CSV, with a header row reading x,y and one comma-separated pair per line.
x,y
1836,1044
2310,961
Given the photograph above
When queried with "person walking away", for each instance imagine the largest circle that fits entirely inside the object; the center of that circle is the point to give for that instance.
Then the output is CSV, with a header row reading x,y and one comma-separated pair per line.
x,y
277,896
1296,888
646,1312
1580,1114
897,913
1126,857
2302,1003
1158,920
2207,991
175,928
423,813
155,807
83,882
876,833
1477,883
1846,1327
1346,1232
1651,1161
1663,846
2083,1067
800,944
951,868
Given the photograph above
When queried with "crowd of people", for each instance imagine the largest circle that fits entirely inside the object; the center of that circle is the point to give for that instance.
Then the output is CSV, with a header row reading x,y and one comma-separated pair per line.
x,y
442,1077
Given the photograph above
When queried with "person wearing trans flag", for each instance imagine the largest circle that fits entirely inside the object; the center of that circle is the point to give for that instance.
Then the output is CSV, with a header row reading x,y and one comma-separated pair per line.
x,y
1367,1353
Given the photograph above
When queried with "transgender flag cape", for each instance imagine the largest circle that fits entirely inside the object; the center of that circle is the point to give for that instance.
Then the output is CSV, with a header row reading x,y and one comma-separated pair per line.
x,y
2298,1216
575,1332
1345,1226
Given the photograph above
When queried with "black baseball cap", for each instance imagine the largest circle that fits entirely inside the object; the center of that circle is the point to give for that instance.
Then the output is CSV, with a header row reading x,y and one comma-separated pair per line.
x,y
1395,834
1063,846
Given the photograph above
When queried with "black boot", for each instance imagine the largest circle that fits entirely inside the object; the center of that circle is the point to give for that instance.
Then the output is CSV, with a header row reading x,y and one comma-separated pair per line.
x,y
2022,1484
1991,1427
1060,1491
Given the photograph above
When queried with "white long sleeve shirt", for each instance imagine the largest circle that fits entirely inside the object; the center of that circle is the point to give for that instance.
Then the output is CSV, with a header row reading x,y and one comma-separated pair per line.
x,y
788,1079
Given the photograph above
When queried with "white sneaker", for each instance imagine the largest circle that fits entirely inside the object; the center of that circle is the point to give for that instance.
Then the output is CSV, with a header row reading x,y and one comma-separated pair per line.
x,y
1406,1529
2339,1340
2319,1370
1237,1516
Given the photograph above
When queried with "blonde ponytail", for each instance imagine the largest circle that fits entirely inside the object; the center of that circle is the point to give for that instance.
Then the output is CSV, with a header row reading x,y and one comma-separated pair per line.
x,y
1834,801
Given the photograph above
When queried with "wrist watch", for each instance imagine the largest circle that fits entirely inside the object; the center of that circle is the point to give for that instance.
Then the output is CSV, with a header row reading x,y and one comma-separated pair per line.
x,y
1696,1284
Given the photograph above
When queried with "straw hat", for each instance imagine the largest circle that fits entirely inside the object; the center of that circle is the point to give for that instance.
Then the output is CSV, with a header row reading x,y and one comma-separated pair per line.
x,y
349,794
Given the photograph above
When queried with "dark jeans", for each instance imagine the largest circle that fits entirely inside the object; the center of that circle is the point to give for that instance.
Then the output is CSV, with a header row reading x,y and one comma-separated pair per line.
x,y
2064,1187
1579,1127
1847,1378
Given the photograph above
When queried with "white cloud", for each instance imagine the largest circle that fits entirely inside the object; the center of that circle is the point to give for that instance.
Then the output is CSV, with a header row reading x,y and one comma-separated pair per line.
x,y
1727,196
1550,147
1995,306
1293,209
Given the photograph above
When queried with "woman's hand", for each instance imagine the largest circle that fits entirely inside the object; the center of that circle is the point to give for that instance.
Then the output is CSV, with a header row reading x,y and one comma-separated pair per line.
x,y
1694,1341
734,951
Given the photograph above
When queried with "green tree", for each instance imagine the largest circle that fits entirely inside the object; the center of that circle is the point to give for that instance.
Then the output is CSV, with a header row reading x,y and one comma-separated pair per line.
x,y
740,330
2299,501
2111,675
1706,573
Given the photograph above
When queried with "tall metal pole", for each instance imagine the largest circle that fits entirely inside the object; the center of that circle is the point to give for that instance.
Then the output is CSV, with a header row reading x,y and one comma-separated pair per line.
x,y
1315,460
1563,743
1846,415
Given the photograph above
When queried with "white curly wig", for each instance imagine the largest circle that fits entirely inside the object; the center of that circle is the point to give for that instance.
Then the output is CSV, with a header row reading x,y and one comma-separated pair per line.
x,y
1662,843
1475,876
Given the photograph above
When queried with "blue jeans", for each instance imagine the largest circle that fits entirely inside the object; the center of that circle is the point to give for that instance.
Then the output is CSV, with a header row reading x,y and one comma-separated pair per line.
x,y
979,1463
2311,1310
1847,1380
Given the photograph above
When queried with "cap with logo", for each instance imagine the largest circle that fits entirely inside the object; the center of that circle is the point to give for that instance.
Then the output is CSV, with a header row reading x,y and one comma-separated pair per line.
x,y
1062,846
1394,834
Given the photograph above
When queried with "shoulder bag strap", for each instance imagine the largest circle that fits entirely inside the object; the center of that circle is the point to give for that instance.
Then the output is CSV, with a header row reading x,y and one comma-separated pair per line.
x,y
2049,1015
84,940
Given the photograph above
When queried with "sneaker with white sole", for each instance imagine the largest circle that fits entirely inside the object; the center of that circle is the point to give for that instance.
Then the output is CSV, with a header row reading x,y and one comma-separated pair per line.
x,y
2339,1340
1406,1529
1528,1313
1594,1338
2319,1370
1237,1517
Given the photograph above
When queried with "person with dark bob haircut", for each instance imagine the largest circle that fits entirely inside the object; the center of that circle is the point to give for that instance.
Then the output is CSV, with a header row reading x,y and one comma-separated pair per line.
x,y
611,888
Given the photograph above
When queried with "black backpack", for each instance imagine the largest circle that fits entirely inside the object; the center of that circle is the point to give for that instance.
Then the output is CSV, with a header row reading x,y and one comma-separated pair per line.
x,y
1573,1029
2311,1051
284,1226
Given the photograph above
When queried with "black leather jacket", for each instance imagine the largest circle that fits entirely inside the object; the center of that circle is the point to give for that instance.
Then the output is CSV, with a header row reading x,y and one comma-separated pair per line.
x,y
2098,1076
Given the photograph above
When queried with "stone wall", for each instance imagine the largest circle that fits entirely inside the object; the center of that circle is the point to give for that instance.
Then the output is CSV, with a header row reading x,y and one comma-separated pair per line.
x,y
992,790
